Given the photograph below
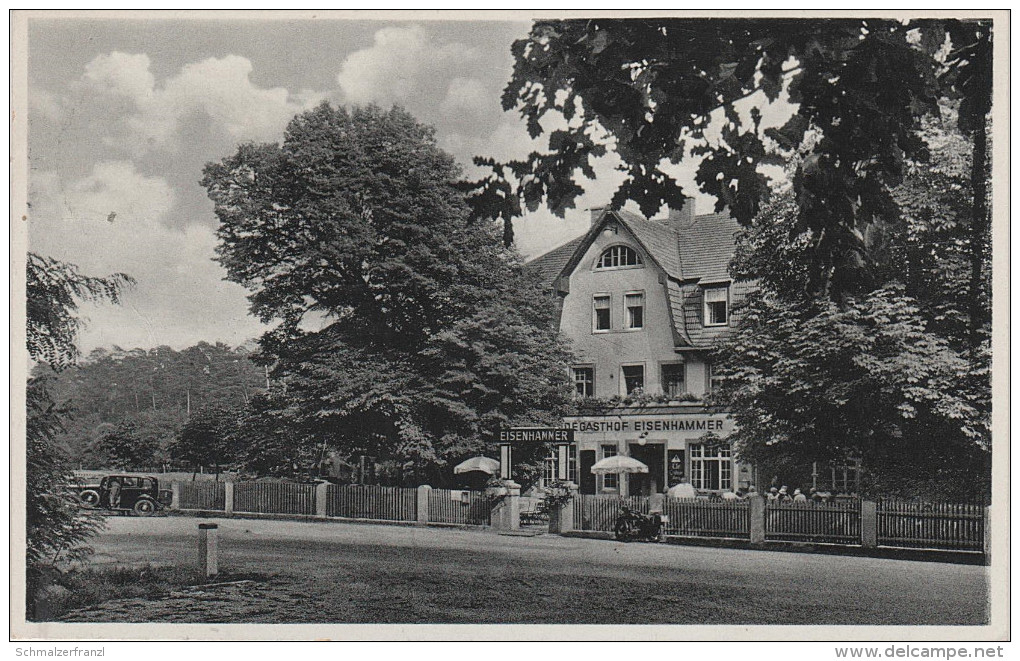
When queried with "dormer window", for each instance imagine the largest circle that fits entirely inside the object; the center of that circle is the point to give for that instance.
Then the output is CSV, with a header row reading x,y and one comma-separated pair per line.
x,y
717,306
618,257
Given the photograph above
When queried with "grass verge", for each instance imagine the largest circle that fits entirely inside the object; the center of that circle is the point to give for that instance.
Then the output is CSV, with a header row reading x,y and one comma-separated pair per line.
x,y
55,593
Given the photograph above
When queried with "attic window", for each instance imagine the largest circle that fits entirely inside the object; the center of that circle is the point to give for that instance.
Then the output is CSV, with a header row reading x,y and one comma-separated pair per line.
x,y
619,257
717,301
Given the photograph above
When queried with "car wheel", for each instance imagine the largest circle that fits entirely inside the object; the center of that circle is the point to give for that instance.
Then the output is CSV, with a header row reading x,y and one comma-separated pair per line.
x,y
89,498
624,530
145,507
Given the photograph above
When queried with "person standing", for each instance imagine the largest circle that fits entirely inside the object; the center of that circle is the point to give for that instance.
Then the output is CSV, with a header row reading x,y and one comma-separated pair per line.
x,y
114,493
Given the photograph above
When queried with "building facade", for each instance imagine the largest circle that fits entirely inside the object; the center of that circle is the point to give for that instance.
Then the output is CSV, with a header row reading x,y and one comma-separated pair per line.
x,y
642,302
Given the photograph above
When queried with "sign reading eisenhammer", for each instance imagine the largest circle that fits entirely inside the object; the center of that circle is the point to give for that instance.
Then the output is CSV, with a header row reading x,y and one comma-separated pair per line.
x,y
536,435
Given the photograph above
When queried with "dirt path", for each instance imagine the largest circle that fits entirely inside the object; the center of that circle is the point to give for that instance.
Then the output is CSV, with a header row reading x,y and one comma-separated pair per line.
x,y
343,573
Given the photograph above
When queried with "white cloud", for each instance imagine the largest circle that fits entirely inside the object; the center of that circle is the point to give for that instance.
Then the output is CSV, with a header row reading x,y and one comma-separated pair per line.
x,y
403,65
123,74
113,187
217,89
114,220
466,97
448,84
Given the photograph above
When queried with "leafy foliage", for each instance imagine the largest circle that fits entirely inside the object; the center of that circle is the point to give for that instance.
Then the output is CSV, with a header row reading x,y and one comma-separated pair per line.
x,y
126,447
55,290
57,528
152,389
208,438
404,330
890,377
660,91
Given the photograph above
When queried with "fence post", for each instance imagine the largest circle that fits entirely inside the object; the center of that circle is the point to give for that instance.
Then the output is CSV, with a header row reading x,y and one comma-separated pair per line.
x,y
423,503
175,501
561,519
506,515
869,524
757,514
228,497
320,499
656,502
513,511
987,546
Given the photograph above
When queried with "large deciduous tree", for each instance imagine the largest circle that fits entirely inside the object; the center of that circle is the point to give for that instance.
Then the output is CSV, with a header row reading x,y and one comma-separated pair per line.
x,y
208,439
889,377
662,91
402,330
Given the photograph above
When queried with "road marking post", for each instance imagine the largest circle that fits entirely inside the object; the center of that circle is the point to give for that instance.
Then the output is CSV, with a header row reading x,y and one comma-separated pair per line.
x,y
208,549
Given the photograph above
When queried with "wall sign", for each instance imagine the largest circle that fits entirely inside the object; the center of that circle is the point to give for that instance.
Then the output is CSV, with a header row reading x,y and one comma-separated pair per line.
x,y
536,435
675,466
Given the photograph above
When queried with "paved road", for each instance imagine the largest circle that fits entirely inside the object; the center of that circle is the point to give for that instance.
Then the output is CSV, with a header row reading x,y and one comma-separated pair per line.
x,y
343,572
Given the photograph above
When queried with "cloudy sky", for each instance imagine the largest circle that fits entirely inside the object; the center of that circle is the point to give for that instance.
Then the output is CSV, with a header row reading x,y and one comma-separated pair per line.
x,y
124,114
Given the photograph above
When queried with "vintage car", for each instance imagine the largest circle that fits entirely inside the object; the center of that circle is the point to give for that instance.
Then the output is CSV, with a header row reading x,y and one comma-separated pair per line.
x,y
139,494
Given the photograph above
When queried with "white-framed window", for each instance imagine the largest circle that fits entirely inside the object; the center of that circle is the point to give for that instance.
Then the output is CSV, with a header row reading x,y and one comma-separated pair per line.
x,y
717,306
551,465
616,257
602,313
634,310
711,467
609,480
584,380
632,377
674,379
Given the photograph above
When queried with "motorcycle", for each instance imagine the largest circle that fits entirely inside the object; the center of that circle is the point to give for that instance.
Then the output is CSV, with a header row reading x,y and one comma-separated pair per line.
x,y
632,525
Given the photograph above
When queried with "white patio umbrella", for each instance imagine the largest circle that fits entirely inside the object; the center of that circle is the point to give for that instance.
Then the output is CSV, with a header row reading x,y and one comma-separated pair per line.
x,y
483,464
618,464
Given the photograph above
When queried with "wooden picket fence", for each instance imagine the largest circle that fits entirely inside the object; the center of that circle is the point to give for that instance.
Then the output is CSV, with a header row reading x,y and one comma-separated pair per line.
x,y
701,518
446,506
931,525
832,523
202,495
599,512
364,501
274,498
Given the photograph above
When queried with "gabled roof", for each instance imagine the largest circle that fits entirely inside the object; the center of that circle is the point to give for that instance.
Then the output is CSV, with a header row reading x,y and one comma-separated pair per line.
x,y
658,237
551,264
697,253
706,247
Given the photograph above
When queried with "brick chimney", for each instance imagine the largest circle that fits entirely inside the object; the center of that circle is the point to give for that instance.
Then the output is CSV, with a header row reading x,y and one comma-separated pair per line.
x,y
596,213
683,217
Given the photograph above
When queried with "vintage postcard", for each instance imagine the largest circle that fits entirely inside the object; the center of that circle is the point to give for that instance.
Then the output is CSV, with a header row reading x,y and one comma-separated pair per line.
x,y
510,326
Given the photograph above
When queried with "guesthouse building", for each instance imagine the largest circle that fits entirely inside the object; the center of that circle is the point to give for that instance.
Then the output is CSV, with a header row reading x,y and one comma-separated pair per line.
x,y
643,302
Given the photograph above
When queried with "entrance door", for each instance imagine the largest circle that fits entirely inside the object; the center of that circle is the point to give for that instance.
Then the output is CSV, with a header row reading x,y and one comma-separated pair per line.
x,y
652,455
587,480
